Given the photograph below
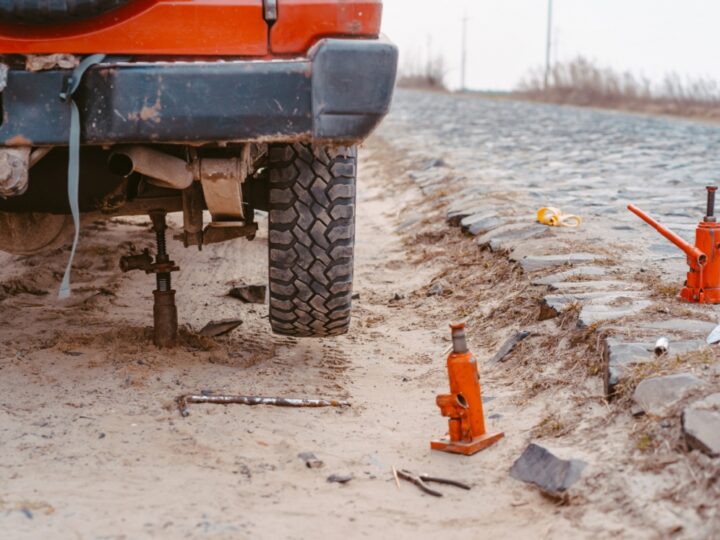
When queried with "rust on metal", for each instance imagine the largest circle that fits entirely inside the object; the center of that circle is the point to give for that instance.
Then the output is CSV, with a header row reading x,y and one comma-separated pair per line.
x,y
164,309
14,167
184,401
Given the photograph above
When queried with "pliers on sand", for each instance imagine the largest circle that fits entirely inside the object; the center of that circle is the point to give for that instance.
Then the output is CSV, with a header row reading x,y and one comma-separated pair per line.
x,y
420,479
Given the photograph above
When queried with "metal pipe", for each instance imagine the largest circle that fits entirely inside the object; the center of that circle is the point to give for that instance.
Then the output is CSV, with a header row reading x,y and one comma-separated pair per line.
x,y
691,251
37,154
183,401
162,169
710,215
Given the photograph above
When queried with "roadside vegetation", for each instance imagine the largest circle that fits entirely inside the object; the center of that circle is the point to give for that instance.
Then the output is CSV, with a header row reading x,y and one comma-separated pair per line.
x,y
427,74
582,82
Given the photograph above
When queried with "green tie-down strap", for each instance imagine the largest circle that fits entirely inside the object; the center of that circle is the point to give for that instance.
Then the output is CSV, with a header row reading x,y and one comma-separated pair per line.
x,y
70,86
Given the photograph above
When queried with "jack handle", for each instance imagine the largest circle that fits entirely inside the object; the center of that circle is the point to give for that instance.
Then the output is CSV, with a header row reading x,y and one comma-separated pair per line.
x,y
693,253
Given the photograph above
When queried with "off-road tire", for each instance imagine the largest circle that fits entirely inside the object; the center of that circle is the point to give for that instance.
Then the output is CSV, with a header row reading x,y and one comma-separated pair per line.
x,y
312,236
54,11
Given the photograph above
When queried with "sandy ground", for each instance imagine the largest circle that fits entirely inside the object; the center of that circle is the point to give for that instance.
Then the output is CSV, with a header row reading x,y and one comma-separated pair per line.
x,y
93,447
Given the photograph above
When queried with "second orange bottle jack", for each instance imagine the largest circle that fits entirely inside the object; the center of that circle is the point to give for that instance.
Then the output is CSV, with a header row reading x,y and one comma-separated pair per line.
x,y
463,405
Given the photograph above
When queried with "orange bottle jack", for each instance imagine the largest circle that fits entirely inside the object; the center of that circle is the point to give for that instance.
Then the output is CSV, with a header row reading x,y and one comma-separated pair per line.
x,y
463,405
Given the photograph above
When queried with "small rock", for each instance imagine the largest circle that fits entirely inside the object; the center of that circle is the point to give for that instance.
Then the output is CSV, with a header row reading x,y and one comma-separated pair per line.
x,y
551,474
692,326
397,297
485,225
509,345
541,262
436,290
573,273
657,395
311,460
701,425
218,328
438,162
356,296
340,478
249,294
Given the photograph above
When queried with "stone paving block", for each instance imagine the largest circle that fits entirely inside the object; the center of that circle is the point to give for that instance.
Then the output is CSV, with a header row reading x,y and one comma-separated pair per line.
x,y
504,240
701,425
541,468
620,357
479,214
593,271
509,346
595,313
603,285
484,225
533,263
690,326
457,212
657,395
595,305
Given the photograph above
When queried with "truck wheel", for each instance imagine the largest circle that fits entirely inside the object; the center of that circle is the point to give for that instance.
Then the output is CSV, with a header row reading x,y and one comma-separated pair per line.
x,y
43,11
312,236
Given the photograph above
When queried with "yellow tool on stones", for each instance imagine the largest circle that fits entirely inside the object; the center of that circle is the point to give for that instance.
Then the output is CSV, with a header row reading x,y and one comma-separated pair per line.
x,y
553,217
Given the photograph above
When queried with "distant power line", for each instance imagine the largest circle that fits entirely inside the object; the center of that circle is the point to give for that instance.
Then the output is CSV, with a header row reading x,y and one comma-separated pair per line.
x,y
463,59
548,44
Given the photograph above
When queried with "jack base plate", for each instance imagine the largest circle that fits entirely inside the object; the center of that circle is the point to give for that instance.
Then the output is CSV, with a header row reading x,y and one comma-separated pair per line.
x,y
467,448
700,296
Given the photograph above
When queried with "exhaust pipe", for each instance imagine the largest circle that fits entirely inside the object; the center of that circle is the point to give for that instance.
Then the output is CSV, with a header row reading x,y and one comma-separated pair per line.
x,y
162,169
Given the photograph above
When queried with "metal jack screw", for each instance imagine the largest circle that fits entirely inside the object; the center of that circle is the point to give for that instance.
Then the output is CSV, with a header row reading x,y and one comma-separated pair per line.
x,y
164,308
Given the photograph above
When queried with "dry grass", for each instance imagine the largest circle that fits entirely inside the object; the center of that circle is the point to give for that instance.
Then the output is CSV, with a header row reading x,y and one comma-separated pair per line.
x,y
427,75
582,82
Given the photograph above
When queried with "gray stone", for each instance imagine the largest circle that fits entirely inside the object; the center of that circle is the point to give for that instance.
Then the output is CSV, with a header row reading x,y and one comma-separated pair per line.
x,y
596,313
592,271
619,358
437,289
311,460
484,225
340,478
692,326
218,328
410,221
509,345
541,262
657,395
551,474
596,306
701,425
478,215
249,294
609,285
502,236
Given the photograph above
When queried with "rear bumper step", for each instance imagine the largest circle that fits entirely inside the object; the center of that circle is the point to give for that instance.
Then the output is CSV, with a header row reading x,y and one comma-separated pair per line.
x,y
338,94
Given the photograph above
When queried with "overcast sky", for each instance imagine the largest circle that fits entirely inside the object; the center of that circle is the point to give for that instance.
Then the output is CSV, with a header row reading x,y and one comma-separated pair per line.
x,y
507,37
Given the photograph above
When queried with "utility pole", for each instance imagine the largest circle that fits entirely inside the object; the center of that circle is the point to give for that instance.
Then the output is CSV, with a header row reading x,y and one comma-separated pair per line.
x,y
463,60
548,45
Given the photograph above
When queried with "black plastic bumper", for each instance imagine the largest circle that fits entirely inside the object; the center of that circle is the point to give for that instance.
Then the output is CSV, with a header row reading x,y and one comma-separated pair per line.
x,y
339,93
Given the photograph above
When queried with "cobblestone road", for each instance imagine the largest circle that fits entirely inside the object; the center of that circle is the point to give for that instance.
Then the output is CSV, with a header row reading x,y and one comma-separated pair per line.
x,y
502,160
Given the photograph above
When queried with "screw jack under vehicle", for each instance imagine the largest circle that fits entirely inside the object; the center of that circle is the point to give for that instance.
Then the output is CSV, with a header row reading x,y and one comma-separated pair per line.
x,y
165,319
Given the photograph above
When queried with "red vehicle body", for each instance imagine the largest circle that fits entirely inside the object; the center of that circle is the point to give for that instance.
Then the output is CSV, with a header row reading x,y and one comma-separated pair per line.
x,y
200,27
229,106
